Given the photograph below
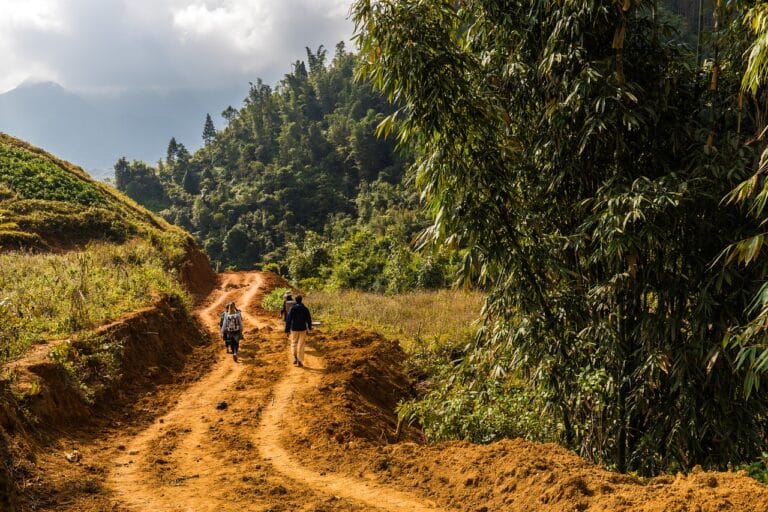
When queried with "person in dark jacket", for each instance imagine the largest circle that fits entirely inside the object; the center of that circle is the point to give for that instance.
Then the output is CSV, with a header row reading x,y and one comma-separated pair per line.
x,y
298,324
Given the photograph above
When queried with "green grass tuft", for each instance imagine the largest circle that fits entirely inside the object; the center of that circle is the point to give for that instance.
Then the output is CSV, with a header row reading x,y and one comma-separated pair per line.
x,y
273,301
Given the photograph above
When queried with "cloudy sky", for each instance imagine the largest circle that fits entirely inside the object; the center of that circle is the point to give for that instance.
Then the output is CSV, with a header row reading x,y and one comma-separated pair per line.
x,y
113,45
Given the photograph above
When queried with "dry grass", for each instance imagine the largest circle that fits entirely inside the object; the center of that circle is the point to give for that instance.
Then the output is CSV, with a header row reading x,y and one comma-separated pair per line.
x,y
424,316
50,296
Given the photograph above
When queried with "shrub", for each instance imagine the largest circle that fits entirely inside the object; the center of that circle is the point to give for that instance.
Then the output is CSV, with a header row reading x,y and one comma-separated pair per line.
x,y
273,301
448,407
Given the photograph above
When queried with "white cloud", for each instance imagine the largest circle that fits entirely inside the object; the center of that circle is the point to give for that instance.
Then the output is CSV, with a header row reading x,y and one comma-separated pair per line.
x,y
116,44
38,17
34,14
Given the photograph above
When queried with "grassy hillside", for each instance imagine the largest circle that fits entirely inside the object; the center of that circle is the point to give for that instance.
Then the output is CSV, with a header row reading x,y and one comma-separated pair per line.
x,y
74,253
46,203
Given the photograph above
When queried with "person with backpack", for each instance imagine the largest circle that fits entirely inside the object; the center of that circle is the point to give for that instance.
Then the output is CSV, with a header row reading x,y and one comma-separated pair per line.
x,y
221,323
232,328
288,303
298,324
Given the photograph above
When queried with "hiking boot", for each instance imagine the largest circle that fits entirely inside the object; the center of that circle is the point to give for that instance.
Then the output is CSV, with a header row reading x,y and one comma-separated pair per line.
x,y
295,361
298,363
234,357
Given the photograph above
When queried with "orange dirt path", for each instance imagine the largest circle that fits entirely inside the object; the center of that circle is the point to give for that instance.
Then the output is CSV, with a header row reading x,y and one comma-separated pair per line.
x,y
276,421
201,478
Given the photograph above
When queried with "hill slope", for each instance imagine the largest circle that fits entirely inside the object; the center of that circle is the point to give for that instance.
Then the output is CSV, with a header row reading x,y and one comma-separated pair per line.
x,y
48,203
79,262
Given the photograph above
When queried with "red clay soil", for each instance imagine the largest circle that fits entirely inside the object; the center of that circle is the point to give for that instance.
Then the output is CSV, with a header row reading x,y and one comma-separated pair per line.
x,y
263,435
350,427
196,273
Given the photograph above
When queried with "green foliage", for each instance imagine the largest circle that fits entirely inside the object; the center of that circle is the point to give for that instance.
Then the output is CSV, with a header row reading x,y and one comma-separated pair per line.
x,y
298,177
752,338
47,202
209,130
137,179
453,408
373,252
33,176
92,362
757,469
580,158
756,75
273,301
49,296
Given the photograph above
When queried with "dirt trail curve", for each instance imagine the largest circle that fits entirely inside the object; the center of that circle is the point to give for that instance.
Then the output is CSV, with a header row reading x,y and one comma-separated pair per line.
x,y
276,419
177,464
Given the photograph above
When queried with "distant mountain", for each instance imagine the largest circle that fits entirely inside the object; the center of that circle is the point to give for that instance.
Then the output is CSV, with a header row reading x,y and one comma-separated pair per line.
x,y
97,129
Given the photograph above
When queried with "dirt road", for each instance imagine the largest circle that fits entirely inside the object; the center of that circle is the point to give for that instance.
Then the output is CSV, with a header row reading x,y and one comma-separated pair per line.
x,y
179,463
323,438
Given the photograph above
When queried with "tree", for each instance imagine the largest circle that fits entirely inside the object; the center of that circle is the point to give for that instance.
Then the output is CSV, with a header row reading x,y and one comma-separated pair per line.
x,y
229,114
581,163
173,148
122,173
209,131
291,160
752,338
141,183
189,182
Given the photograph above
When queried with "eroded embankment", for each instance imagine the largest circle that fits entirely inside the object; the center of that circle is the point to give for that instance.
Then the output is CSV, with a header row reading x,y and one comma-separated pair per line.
x,y
100,373
351,426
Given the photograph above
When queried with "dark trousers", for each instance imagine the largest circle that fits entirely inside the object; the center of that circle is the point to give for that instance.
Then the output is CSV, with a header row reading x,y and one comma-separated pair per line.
x,y
232,341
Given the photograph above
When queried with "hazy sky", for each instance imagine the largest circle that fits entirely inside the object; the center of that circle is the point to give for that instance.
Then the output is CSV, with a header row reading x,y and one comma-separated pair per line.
x,y
122,44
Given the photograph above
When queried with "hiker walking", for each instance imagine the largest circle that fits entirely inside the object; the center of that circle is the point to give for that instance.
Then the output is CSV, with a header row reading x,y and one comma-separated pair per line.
x,y
288,303
298,323
222,315
232,328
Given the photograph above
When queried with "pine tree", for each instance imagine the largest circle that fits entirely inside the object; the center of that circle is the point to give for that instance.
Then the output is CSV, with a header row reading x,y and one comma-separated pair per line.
x,y
173,149
122,173
209,131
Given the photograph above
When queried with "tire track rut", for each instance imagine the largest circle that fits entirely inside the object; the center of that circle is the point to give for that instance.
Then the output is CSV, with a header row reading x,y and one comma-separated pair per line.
x,y
173,465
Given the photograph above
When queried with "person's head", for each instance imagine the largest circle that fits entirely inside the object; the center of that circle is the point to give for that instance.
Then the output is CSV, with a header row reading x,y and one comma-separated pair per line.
x,y
231,308
299,298
287,295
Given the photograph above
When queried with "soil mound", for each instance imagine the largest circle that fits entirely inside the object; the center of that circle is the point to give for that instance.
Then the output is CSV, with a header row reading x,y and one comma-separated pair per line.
x,y
363,383
196,273
9,423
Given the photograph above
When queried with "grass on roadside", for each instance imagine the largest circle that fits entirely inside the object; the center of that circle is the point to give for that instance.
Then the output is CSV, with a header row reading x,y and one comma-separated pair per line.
x,y
273,301
433,317
50,296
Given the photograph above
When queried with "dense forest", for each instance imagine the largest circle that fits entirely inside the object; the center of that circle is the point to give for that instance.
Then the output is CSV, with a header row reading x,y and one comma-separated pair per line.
x,y
298,178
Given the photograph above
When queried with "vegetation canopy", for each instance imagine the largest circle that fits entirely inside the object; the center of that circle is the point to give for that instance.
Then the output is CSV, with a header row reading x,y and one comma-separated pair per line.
x,y
581,157
299,179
